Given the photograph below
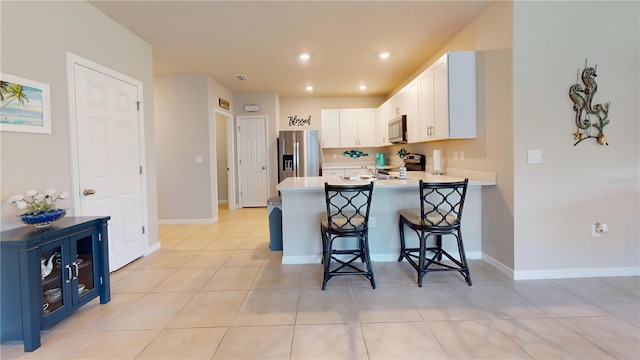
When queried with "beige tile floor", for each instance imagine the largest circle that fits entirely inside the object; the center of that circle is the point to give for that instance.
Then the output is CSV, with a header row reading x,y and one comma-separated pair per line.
x,y
217,292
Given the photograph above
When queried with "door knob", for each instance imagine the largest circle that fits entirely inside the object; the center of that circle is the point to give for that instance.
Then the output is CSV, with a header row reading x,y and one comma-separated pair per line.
x,y
87,192
263,168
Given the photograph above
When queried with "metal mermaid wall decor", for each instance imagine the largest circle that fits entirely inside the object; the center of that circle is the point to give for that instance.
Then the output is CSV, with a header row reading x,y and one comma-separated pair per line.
x,y
585,111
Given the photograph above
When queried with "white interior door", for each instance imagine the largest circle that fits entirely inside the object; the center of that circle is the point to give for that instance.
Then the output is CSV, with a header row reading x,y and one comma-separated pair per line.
x,y
252,160
109,167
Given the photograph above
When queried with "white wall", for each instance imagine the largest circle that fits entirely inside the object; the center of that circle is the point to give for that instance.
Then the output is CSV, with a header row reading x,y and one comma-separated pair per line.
x,y
575,186
269,106
186,129
308,106
34,38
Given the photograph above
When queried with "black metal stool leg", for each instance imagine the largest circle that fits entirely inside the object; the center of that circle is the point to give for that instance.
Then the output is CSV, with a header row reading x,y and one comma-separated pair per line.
x,y
402,243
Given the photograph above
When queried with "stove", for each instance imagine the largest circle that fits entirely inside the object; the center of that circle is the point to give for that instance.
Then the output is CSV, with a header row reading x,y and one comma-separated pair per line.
x,y
414,162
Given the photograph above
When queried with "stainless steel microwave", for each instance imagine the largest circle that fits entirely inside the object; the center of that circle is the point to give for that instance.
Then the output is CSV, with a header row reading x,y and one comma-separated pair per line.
x,y
398,130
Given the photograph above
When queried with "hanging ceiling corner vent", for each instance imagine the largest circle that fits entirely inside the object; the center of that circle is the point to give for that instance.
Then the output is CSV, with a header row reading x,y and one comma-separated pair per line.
x,y
241,77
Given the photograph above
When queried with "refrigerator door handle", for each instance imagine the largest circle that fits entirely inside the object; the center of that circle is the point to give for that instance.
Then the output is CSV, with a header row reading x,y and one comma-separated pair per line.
x,y
296,158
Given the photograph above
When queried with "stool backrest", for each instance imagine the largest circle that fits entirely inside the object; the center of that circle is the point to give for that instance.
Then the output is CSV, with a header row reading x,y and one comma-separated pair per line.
x,y
348,207
441,204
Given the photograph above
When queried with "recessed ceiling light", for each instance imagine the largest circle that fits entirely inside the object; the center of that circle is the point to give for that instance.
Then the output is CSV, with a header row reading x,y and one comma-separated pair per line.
x,y
309,88
383,55
363,87
304,57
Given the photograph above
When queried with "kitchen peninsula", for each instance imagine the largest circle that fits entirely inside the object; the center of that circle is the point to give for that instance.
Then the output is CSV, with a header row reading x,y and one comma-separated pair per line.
x,y
303,203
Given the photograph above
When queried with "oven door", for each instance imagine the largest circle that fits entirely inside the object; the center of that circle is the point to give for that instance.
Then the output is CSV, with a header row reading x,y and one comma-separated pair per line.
x,y
398,130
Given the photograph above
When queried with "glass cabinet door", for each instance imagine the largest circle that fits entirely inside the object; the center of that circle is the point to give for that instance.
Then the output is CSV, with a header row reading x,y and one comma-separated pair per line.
x,y
83,264
54,275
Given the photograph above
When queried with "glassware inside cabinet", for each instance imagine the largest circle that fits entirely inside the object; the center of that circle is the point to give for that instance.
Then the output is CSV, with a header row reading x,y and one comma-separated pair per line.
x,y
83,264
52,279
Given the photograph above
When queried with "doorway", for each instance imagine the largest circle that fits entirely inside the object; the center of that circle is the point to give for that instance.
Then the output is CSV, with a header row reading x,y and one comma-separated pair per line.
x,y
223,159
107,150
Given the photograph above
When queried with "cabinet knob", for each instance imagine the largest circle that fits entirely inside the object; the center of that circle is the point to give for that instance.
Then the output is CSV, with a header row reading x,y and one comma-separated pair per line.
x,y
87,192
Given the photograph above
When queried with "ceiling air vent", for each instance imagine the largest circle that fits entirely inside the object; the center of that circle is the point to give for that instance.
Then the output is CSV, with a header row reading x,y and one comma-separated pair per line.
x,y
241,77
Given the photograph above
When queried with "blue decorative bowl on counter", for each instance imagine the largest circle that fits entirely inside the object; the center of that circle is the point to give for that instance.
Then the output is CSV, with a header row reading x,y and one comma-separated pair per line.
x,y
43,219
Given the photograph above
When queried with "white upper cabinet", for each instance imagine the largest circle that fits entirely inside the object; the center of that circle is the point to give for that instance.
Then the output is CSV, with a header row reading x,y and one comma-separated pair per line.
x,y
408,105
426,121
367,127
454,100
348,127
330,128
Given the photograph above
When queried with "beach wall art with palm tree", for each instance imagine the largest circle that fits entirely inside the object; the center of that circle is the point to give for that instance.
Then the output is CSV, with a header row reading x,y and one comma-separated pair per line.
x,y
24,105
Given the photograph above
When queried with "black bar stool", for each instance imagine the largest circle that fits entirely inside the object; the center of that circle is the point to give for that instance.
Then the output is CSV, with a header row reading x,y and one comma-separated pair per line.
x,y
440,214
347,217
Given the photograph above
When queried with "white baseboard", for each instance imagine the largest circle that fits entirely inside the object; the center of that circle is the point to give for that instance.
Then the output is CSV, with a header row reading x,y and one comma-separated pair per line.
x,y
575,273
153,248
504,269
303,259
560,273
187,221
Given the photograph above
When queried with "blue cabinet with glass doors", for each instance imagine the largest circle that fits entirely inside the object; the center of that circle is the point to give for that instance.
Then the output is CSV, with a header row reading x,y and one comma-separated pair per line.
x,y
47,274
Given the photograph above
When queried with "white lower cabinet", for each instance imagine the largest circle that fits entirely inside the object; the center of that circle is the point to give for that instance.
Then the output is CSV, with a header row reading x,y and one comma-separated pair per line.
x,y
344,171
355,171
332,172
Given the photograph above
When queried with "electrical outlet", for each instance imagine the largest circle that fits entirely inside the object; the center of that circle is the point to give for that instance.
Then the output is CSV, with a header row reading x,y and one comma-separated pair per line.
x,y
461,155
534,156
372,222
455,155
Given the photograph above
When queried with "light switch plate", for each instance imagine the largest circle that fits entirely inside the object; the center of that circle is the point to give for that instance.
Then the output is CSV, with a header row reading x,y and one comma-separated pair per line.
x,y
535,156
199,160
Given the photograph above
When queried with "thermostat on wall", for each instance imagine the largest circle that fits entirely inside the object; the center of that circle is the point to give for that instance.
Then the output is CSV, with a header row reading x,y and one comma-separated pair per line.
x,y
252,108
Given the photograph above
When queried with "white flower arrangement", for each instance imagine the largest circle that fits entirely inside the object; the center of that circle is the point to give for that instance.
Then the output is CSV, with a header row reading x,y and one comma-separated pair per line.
x,y
37,203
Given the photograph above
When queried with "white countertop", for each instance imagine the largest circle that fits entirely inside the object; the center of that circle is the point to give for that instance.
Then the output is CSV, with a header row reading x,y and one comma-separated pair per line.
x,y
413,177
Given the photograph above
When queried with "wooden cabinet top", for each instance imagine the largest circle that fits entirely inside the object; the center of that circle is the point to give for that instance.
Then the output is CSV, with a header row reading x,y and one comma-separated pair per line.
x,y
30,236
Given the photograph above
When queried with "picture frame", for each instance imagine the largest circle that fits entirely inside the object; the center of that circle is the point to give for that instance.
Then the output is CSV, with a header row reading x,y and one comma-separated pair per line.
x,y
25,105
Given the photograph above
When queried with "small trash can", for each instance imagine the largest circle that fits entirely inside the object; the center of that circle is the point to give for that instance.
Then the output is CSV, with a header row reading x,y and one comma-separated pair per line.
x,y
274,206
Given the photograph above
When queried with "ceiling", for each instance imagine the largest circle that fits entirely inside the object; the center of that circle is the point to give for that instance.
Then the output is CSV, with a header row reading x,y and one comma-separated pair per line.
x,y
263,39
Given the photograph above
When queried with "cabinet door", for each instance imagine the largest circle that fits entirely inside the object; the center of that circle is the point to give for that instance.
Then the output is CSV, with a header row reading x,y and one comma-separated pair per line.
x,y
409,106
426,122
69,269
367,127
56,275
441,99
348,127
84,265
356,171
332,172
330,128
461,87
382,125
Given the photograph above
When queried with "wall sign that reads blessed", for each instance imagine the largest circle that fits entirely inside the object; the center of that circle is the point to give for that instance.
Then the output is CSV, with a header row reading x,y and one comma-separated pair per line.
x,y
296,121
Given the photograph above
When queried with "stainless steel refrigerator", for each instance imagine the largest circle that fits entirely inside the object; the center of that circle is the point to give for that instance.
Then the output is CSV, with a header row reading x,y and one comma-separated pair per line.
x,y
299,154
